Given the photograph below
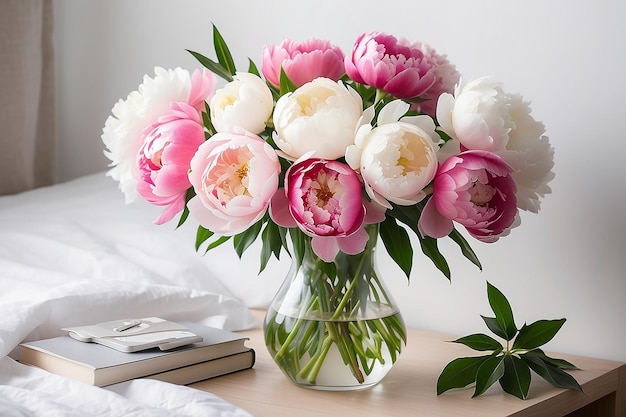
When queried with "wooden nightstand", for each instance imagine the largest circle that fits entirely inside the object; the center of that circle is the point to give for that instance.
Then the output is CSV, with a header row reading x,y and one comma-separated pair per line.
x,y
409,388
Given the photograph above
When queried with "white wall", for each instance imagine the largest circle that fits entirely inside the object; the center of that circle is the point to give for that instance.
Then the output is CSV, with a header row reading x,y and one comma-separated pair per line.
x,y
566,56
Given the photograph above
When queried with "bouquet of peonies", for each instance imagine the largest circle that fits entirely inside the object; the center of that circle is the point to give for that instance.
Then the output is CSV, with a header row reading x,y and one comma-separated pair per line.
x,y
321,155
322,144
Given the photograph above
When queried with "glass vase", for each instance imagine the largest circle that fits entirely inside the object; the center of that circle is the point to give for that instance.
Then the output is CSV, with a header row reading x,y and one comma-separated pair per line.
x,y
334,326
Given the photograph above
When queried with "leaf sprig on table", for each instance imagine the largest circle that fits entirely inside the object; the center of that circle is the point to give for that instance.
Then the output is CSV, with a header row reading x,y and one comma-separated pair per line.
x,y
509,364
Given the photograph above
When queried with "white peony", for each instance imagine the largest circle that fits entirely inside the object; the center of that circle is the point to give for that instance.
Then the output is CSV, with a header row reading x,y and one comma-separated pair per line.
x,y
320,116
478,114
244,103
397,159
122,132
530,154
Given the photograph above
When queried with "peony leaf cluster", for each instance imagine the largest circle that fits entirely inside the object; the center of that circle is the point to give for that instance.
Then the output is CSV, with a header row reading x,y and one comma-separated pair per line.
x,y
510,365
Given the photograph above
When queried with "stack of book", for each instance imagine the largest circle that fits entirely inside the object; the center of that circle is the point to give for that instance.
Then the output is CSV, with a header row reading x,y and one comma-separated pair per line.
x,y
221,352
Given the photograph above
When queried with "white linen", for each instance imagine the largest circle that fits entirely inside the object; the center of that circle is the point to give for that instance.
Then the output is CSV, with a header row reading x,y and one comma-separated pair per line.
x,y
75,254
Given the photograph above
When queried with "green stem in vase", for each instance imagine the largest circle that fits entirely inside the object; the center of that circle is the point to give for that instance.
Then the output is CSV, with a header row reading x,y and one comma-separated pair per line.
x,y
342,306
344,299
295,331
313,367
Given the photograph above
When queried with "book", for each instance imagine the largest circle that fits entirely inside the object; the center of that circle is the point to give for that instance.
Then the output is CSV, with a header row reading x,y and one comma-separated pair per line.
x,y
208,369
100,365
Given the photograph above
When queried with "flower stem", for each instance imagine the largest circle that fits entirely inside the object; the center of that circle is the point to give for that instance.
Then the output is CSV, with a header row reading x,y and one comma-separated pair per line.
x,y
295,331
346,296
380,95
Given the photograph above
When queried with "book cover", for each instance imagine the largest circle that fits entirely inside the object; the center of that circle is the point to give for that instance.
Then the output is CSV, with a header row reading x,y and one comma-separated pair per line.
x,y
208,369
101,365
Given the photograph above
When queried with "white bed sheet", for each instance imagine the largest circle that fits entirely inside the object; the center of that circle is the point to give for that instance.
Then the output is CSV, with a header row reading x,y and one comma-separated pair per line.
x,y
75,254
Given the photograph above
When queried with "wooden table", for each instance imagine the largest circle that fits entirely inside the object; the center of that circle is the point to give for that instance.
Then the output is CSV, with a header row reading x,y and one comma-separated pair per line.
x,y
409,388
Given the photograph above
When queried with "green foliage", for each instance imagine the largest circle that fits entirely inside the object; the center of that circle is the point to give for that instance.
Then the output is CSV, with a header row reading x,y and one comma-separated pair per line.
x,y
252,68
286,85
505,324
214,67
224,56
398,245
510,365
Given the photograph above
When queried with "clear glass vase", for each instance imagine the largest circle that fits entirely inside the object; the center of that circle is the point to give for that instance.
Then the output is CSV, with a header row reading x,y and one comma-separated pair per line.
x,y
334,326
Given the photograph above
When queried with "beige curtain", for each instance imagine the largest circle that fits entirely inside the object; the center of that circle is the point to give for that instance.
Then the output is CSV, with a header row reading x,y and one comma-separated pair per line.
x,y
27,118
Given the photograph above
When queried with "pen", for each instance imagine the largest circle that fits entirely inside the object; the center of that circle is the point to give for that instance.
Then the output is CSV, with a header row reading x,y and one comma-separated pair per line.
x,y
127,325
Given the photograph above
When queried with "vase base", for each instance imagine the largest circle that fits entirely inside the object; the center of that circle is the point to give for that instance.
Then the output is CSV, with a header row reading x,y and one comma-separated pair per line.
x,y
338,387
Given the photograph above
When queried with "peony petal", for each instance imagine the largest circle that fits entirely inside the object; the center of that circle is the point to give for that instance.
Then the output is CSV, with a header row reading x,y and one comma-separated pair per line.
x,y
432,223
355,243
374,212
445,105
171,211
392,112
326,248
279,209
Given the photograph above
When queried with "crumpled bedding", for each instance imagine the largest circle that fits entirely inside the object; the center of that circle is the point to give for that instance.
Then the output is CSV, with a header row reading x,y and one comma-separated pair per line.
x,y
74,254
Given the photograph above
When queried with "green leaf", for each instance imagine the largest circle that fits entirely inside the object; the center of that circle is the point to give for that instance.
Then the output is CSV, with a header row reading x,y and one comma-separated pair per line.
x,y
215,67
217,242
466,249
183,217
243,240
189,194
550,372
398,244
329,269
207,122
298,245
516,378
430,249
252,68
480,342
410,216
286,85
537,334
502,309
559,363
202,235
283,232
494,326
272,243
459,373
223,54
488,373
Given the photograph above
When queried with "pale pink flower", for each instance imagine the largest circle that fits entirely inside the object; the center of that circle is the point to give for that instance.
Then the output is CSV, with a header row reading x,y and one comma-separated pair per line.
x,y
382,61
123,132
323,199
163,159
446,77
474,189
302,61
234,177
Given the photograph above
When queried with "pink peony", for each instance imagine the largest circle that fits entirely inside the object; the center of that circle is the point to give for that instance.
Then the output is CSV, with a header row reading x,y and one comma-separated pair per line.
x,y
323,199
302,61
381,61
446,74
475,189
163,159
125,131
234,177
